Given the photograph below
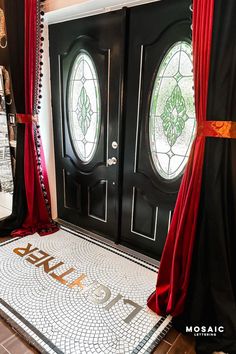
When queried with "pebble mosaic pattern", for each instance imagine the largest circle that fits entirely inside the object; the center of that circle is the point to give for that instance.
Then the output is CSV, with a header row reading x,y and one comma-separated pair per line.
x,y
69,318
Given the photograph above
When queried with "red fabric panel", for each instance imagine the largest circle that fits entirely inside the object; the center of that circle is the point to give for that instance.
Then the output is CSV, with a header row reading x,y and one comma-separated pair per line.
x,y
37,218
24,118
173,277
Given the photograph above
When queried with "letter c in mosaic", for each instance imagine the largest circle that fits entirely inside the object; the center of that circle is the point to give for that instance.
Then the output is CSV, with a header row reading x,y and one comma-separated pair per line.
x,y
172,122
84,107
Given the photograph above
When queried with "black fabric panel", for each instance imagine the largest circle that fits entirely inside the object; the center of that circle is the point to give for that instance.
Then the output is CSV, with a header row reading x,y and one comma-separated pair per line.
x,y
14,10
15,29
19,207
212,293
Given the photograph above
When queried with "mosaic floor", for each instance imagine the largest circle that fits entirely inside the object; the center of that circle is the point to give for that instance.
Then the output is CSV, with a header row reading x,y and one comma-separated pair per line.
x,y
72,295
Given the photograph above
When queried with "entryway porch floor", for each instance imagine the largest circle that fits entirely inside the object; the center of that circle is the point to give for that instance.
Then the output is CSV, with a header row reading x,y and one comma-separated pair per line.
x,y
13,343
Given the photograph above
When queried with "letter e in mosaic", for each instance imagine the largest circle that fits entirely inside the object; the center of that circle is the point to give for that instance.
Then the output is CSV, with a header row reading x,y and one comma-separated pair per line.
x,y
34,259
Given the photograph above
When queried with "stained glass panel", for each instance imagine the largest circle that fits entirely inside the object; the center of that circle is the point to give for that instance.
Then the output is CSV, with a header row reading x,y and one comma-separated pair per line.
x,y
84,107
172,121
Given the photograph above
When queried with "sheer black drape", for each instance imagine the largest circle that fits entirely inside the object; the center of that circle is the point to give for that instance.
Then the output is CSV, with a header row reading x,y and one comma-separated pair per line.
x,y
212,292
14,10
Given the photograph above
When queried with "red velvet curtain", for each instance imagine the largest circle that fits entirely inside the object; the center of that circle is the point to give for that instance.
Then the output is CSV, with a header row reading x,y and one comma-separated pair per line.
x,y
38,218
173,277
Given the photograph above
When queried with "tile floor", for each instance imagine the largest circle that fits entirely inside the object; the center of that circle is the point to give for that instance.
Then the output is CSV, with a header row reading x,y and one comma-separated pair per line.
x,y
176,343
12,343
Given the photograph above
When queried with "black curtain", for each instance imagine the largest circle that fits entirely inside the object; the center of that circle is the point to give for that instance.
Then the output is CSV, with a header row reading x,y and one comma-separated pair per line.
x,y
211,297
14,12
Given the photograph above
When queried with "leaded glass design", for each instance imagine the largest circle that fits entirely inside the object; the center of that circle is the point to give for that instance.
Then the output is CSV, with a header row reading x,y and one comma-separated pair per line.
x,y
84,107
172,121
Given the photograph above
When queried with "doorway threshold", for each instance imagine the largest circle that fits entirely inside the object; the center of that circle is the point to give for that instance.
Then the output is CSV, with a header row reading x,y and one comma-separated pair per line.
x,y
132,254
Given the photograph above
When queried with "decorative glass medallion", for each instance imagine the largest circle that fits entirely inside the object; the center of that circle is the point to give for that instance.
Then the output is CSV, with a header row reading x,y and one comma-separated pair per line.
x,y
172,121
84,107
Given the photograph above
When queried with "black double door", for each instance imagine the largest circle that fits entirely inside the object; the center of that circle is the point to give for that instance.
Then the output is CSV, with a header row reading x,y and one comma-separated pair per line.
x,y
102,72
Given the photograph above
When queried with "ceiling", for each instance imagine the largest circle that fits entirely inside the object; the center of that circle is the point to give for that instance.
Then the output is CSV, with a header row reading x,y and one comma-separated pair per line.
x,y
64,10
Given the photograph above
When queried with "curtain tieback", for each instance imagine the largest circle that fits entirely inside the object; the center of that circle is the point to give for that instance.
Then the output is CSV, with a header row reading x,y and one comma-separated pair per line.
x,y
217,129
26,118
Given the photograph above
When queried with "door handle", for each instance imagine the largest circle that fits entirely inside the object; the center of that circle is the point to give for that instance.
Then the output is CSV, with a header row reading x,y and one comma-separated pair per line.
x,y
112,161
114,145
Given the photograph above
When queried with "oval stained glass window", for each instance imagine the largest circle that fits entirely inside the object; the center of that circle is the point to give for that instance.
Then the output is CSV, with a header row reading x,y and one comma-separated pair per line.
x,y
84,107
172,121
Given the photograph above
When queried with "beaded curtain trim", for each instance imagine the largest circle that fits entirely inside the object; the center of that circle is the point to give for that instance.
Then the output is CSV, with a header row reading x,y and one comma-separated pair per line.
x,y
37,100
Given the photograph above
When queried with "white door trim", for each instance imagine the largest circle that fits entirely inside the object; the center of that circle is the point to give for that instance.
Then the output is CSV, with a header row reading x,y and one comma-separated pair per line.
x,y
90,8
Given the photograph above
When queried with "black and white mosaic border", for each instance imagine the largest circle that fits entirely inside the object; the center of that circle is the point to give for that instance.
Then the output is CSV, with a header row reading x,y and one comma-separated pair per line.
x,y
9,241
154,337
45,346
110,248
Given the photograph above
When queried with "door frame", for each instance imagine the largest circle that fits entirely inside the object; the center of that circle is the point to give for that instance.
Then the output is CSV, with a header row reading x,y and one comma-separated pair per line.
x,y
46,112
86,8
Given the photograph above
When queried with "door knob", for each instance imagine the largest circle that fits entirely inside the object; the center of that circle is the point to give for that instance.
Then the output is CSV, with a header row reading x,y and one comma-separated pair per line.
x,y
114,145
112,161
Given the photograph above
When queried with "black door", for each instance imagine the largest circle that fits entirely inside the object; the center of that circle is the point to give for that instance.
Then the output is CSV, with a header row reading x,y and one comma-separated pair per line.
x,y
86,71
148,198
108,181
